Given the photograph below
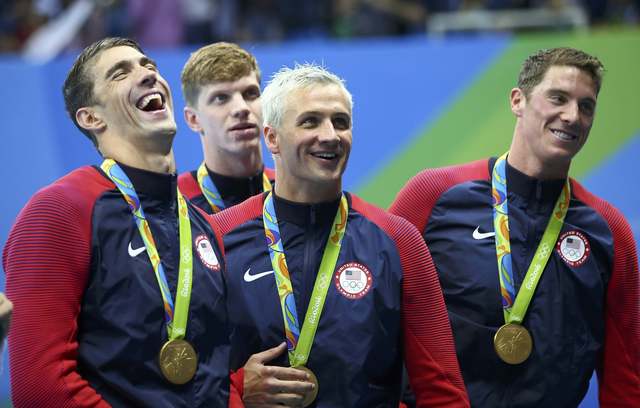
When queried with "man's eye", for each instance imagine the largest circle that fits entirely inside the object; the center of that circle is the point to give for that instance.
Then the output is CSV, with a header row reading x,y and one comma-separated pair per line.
x,y
151,67
220,98
558,99
119,75
341,123
251,94
587,108
309,122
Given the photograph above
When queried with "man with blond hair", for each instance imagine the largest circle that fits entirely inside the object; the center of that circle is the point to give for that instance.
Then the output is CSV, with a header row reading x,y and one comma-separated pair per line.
x,y
350,288
221,87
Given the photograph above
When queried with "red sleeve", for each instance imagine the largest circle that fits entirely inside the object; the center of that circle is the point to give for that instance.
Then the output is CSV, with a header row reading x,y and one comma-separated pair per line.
x,y
46,261
237,388
231,217
416,199
619,366
188,185
429,350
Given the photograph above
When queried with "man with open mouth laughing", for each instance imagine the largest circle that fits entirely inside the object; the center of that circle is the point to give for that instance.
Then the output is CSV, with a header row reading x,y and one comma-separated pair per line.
x,y
221,86
116,278
540,276
323,286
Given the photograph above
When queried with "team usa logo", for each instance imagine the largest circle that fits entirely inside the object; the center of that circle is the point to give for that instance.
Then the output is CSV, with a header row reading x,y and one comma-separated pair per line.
x,y
573,247
206,253
353,280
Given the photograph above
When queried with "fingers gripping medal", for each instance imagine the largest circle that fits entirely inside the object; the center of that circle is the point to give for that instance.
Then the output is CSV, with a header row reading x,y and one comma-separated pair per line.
x,y
177,358
299,341
512,342
313,394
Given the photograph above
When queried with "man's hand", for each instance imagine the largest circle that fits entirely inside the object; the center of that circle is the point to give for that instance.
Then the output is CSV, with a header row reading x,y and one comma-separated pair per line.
x,y
273,386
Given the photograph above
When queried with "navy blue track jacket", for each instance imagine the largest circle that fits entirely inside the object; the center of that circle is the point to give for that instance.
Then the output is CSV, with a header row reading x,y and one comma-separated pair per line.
x,y
89,321
383,301
584,313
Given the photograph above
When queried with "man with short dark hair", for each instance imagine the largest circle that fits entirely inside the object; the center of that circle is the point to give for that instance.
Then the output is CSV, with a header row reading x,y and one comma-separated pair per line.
x,y
350,288
221,87
116,278
540,276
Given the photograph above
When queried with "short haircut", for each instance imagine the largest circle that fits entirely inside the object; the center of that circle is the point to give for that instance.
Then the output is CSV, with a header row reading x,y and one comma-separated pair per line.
x,y
288,80
219,62
536,66
78,87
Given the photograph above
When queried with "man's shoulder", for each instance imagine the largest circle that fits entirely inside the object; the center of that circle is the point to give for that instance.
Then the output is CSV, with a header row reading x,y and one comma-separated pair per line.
x,y
614,217
393,225
79,187
416,199
437,180
232,217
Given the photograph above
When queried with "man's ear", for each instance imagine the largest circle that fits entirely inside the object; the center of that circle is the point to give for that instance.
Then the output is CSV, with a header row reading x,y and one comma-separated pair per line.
x,y
91,120
271,139
518,101
191,117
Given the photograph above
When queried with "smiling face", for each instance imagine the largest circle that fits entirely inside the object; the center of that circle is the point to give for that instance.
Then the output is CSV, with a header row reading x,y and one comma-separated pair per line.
x,y
553,121
311,146
228,115
133,101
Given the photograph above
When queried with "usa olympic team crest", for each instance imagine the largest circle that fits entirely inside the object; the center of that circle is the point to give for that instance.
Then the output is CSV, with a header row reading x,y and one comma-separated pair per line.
x,y
353,280
206,253
573,247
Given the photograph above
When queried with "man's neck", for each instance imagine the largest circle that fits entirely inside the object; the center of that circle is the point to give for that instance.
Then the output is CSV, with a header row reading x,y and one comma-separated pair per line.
x,y
245,165
130,155
309,194
526,162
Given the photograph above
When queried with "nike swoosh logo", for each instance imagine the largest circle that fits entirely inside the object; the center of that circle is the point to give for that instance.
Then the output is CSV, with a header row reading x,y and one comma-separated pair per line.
x,y
248,277
482,235
135,252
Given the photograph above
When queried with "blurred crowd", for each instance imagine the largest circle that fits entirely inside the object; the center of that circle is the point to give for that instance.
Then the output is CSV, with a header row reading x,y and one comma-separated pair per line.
x,y
167,23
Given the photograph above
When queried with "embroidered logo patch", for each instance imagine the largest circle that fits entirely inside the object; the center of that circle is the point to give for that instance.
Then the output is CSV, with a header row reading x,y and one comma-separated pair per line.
x,y
206,253
353,280
573,247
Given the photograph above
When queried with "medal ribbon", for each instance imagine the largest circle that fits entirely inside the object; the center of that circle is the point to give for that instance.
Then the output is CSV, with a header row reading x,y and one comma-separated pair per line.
x,y
299,341
210,190
175,317
514,310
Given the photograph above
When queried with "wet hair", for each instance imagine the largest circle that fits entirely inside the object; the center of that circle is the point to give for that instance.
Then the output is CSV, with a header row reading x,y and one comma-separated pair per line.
x,y
219,62
288,80
78,87
536,66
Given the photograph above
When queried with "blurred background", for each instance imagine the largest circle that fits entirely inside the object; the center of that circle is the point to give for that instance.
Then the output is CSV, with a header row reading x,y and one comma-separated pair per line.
x,y
430,80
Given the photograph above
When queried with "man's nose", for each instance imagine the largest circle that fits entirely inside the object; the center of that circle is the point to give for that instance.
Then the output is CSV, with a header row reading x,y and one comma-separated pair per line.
x,y
240,107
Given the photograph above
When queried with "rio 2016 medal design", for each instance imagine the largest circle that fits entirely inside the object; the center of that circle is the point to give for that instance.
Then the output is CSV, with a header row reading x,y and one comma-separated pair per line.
x,y
175,350
178,361
513,343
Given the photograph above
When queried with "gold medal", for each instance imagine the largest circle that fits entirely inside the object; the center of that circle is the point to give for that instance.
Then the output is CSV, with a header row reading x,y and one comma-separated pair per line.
x,y
310,397
178,361
513,343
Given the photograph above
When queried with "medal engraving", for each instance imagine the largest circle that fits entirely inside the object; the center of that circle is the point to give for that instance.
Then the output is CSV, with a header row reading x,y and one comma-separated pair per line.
x,y
513,343
311,396
178,361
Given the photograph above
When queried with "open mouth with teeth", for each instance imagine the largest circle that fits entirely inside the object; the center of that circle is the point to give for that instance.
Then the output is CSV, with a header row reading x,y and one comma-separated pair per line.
x,y
151,103
562,135
325,155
